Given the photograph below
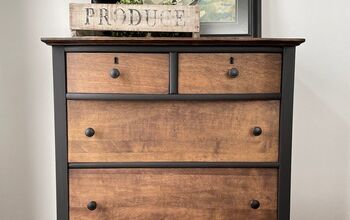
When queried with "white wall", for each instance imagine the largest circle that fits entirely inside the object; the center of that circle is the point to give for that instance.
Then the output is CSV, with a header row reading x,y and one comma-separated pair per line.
x,y
321,167
321,155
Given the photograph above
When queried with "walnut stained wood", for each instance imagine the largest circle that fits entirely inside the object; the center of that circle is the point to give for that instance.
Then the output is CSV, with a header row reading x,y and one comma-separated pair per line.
x,y
173,41
128,131
208,73
184,194
139,73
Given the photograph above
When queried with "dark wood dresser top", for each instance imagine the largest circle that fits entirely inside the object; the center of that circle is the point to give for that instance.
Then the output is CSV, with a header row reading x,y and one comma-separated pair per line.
x,y
84,41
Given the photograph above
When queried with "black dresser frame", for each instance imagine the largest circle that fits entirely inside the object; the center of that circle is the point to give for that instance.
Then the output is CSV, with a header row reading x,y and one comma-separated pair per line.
x,y
286,114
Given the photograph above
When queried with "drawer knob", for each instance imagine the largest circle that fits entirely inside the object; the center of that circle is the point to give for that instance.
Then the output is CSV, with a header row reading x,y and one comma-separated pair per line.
x,y
233,73
254,204
115,73
92,205
89,132
257,131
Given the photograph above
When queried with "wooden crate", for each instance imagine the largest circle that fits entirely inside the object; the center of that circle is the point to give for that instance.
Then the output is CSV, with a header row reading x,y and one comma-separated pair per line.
x,y
95,18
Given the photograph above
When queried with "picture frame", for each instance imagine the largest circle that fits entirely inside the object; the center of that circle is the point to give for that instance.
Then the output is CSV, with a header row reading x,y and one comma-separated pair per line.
x,y
247,22
246,19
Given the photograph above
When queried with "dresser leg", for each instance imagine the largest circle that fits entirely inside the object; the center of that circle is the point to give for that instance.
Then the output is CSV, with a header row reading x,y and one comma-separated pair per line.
x,y
59,77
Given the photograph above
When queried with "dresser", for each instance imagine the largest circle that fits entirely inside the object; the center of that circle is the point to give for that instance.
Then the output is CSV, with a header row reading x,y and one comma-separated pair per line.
x,y
176,129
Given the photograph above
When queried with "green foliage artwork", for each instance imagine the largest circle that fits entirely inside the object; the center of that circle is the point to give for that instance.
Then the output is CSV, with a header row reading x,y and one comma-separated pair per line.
x,y
218,11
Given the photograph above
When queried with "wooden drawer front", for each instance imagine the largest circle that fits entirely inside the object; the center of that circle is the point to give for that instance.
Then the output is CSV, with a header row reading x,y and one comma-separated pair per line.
x,y
139,73
208,73
184,194
173,131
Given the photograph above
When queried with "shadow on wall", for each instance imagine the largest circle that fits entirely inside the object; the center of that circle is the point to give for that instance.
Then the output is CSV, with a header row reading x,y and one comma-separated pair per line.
x,y
320,169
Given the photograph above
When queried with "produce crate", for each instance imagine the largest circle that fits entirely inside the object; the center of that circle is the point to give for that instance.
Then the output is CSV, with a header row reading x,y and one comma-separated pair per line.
x,y
143,20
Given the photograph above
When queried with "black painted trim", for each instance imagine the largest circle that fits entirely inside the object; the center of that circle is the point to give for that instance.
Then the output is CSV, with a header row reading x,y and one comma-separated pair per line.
x,y
256,18
175,97
179,49
172,165
286,127
174,68
59,78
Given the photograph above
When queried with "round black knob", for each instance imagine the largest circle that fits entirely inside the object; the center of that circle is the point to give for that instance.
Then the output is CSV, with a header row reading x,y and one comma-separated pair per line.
x,y
92,205
115,73
233,73
254,204
89,132
257,131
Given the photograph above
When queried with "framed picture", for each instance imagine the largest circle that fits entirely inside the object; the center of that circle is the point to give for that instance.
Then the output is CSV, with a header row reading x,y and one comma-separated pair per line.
x,y
225,17
231,17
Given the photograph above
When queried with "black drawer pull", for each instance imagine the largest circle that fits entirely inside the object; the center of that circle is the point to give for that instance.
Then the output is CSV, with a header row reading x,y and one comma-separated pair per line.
x,y
254,204
115,73
257,131
92,205
233,73
89,132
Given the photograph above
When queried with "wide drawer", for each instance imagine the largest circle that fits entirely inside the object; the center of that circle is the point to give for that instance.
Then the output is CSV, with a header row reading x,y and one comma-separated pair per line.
x,y
129,131
210,73
117,73
184,194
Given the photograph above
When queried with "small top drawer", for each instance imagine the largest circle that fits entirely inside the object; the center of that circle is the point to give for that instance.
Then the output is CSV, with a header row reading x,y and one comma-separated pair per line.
x,y
117,73
229,73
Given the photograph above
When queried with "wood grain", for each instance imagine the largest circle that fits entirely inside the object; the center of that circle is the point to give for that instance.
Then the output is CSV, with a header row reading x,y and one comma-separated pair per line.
x,y
183,194
128,131
140,73
121,17
208,73
174,41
